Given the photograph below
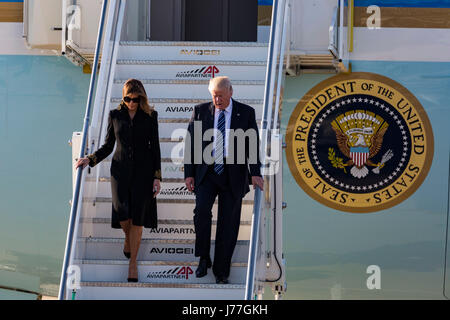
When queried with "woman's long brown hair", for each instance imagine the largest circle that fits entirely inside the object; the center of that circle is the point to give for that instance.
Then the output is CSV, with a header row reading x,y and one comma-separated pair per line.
x,y
136,86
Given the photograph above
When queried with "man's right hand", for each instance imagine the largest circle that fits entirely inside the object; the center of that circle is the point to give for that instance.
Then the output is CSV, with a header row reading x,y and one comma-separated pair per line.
x,y
189,183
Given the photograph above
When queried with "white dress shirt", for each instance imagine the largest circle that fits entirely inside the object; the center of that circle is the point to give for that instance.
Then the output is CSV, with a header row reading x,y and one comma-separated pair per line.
x,y
227,111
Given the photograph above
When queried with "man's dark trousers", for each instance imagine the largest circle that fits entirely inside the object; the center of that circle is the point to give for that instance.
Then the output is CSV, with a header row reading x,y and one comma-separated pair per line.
x,y
228,220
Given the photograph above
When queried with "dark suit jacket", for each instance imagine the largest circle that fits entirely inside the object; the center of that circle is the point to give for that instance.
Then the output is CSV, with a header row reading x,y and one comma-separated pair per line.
x,y
242,117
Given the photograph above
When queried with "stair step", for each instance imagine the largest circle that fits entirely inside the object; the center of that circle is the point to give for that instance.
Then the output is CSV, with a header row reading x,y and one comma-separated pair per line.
x,y
169,190
176,211
161,285
166,230
217,51
159,291
191,81
107,162
152,249
169,170
172,150
160,221
192,201
183,108
189,62
171,131
173,120
194,44
170,272
197,63
190,70
179,120
178,128
108,179
192,91
193,101
150,241
146,262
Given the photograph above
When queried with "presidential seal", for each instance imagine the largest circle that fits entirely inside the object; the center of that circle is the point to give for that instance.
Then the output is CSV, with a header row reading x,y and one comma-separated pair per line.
x,y
359,142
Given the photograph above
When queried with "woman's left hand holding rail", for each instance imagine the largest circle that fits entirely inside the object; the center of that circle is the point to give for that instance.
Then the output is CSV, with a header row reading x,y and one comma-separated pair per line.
x,y
82,162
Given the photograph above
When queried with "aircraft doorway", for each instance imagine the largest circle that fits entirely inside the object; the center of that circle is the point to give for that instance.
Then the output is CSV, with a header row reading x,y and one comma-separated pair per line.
x,y
202,20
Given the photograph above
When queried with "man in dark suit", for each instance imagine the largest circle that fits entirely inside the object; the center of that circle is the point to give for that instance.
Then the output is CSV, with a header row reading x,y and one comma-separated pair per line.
x,y
220,168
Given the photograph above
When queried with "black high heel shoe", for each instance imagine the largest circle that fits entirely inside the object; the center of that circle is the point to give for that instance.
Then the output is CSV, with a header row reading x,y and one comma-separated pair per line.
x,y
133,279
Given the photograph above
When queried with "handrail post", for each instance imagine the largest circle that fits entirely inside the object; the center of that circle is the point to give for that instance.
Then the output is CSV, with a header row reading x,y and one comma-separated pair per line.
x,y
76,193
281,62
351,10
268,99
64,26
106,76
341,29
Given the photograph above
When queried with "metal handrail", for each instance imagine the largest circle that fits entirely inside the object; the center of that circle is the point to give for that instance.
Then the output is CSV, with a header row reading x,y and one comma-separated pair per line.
x,y
275,132
333,33
78,184
64,27
112,56
267,114
341,29
111,53
280,65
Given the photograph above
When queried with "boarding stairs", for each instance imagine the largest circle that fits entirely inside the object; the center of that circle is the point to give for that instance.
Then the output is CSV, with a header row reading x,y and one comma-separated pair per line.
x,y
175,76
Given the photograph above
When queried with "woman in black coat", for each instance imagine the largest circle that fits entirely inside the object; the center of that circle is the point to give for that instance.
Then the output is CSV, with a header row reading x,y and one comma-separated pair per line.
x,y
135,167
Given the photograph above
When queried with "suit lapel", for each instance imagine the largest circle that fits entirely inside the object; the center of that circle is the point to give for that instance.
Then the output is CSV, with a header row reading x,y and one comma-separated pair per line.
x,y
235,116
210,117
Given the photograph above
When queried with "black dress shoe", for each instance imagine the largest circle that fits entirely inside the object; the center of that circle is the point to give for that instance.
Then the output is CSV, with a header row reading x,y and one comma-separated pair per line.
x,y
221,280
132,279
203,266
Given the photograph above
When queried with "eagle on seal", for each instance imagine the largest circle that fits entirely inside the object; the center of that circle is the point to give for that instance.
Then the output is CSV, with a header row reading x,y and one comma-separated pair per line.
x,y
360,152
